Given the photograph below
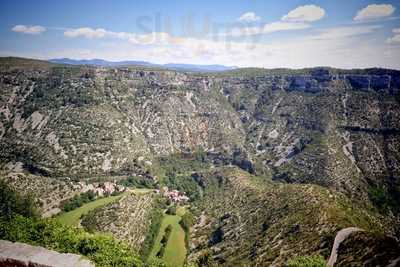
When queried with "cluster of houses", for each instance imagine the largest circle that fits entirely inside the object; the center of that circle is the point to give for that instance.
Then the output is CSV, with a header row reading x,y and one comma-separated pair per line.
x,y
101,189
173,195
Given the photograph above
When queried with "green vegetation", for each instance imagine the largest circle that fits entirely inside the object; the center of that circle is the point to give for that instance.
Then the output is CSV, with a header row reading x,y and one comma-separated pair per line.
x,y
104,250
19,223
174,253
176,172
136,182
72,217
12,203
164,241
148,244
186,222
183,163
78,200
171,210
381,198
307,261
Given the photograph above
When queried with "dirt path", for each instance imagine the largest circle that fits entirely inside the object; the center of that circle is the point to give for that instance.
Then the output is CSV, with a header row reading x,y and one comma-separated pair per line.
x,y
340,237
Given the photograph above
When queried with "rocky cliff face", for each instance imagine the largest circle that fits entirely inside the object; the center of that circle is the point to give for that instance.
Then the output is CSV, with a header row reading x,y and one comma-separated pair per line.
x,y
324,126
338,129
20,255
127,219
249,220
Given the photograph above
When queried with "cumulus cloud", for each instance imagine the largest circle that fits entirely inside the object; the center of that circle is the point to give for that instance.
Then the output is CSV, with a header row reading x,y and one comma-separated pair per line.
x,y
297,19
374,11
395,39
29,29
316,48
249,17
297,52
307,13
346,47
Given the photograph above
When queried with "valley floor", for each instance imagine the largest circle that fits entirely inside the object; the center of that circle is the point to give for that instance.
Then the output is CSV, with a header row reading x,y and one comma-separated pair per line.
x,y
175,250
73,217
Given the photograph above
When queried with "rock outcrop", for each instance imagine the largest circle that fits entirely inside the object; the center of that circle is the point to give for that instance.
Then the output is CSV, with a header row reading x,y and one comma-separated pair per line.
x,y
336,131
21,255
127,219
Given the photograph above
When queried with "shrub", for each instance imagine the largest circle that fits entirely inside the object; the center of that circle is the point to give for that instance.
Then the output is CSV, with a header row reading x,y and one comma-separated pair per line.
x,y
78,201
307,261
136,182
156,219
171,210
164,241
19,223
104,250
13,203
381,198
187,221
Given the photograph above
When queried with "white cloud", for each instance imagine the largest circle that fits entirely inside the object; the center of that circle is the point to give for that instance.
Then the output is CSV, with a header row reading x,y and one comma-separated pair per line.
x,y
249,17
148,38
86,32
301,18
29,29
284,26
307,13
345,32
395,39
297,19
267,28
374,11
343,47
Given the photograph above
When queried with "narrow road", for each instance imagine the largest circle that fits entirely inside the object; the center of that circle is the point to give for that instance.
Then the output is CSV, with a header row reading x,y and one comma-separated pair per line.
x,y
340,237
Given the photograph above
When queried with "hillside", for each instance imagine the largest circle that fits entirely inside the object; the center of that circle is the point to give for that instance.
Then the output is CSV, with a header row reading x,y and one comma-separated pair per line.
x,y
275,161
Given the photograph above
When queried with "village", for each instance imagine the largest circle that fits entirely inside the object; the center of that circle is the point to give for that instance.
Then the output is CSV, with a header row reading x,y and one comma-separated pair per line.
x,y
100,189
108,188
173,195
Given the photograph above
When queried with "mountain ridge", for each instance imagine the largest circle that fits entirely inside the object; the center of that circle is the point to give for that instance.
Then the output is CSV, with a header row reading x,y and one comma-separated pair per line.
x,y
282,143
172,66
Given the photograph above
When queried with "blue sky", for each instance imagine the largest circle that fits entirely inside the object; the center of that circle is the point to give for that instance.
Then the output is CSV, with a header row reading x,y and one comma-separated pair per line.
x,y
259,33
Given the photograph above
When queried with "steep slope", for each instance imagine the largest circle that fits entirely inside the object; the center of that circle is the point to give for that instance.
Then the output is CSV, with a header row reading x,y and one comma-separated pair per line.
x,y
328,138
127,219
367,249
245,219
90,121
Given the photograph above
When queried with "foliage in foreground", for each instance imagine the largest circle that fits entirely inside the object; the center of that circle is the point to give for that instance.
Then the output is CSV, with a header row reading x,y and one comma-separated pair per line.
x,y
104,250
12,203
307,261
19,223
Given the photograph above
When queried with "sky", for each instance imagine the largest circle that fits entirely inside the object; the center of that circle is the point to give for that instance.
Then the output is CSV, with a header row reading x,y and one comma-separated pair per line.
x,y
243,33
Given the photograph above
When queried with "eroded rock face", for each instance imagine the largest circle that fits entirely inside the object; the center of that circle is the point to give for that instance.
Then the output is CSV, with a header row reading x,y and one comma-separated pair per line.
x,y
330,127
21,255
333,128
244,222
127,219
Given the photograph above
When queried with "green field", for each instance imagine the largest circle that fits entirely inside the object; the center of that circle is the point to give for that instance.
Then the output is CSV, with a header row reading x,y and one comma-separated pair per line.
x,y
140,191
175,251
72,217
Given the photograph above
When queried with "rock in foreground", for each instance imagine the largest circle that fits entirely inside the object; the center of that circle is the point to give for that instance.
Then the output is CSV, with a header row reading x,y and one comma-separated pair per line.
x,y
18,254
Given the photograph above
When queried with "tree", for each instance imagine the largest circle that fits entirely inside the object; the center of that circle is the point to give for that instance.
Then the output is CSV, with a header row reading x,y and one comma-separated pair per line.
x,y
13,203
